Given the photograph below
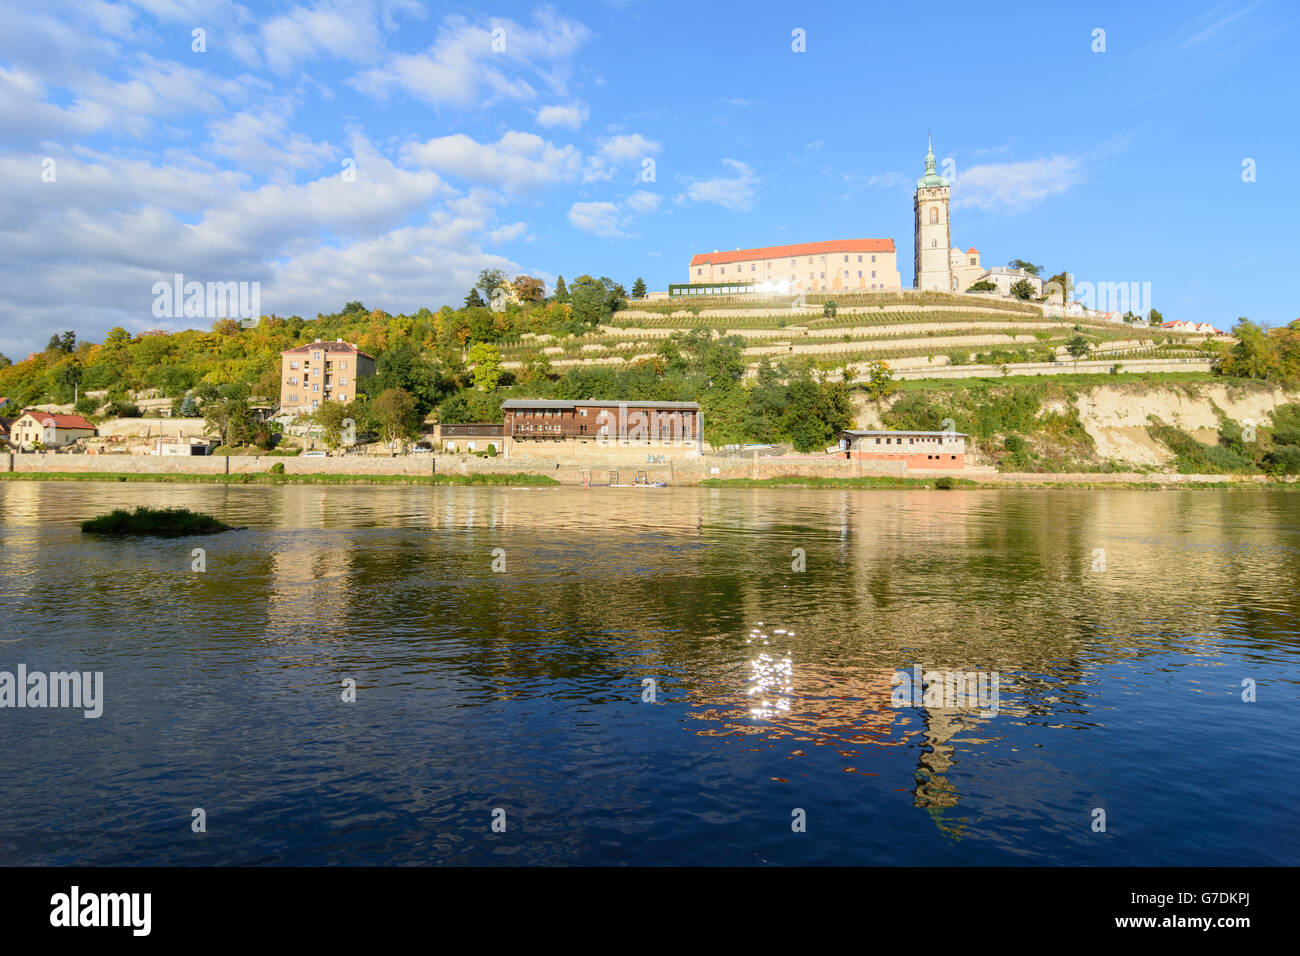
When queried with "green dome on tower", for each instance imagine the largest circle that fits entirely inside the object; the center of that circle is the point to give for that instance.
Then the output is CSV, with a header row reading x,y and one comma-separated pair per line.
x,y
931,178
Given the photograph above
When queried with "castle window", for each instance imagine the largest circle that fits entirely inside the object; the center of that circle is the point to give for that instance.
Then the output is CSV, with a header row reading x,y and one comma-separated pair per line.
x,y
860,258
934,215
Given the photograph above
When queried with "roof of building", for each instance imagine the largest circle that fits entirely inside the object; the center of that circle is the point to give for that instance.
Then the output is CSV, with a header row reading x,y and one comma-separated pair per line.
x,y
972,251
59,421
862,434
931,178
338,345
798,249
513,403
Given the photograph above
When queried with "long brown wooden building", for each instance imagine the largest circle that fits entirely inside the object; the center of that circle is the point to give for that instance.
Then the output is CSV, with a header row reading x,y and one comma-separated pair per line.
x,y
536,426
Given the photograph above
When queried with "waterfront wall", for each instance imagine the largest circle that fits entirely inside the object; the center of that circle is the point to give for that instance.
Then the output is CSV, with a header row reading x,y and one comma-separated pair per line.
x,y
688,472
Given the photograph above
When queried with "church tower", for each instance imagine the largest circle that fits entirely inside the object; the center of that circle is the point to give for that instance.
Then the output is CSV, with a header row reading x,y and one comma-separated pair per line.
x,y
933,269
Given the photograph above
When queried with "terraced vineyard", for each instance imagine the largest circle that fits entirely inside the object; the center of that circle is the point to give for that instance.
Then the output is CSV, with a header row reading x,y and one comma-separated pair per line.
x,y
909,331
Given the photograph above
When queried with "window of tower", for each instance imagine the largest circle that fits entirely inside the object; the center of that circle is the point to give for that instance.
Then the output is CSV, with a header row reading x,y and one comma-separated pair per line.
x,y
934,215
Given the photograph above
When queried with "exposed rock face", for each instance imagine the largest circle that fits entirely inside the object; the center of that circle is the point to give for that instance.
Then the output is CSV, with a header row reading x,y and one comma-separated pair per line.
x,y
1116,415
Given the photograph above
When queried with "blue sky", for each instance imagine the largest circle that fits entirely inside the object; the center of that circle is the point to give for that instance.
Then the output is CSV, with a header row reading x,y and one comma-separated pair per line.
x,y
515,136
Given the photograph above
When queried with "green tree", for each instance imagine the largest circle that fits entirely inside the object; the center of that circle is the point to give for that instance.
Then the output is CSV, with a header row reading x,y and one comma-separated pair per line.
x,y
638,288
117,338
880,382
1023,290
561,290
230,417
486,360
1078,348
1155,319
473,300
488,280
1029,267
395,415
331,418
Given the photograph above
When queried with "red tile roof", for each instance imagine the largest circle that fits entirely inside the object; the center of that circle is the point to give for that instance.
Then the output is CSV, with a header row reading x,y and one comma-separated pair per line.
x,y
327,347
798,249
60,421
972,251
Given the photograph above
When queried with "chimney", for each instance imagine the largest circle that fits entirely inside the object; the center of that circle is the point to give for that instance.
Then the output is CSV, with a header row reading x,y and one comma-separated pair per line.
x,y
318,341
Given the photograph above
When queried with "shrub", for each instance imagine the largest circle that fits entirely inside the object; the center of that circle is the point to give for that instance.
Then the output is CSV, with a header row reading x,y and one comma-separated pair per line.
x,y
155,522
277,468
946,482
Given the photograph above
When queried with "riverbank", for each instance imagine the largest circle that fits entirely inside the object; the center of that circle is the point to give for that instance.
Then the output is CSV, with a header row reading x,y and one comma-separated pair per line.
x,y
515,480
1098,482
523,479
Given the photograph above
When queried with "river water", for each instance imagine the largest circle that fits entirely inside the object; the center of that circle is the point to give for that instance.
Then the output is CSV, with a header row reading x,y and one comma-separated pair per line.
x,y
655,676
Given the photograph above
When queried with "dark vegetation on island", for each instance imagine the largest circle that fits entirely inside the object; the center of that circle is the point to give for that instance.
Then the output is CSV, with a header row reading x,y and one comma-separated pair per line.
x,y
154,522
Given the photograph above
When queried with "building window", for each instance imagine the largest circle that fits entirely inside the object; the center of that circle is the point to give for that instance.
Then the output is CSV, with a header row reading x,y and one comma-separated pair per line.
x,y
860,258
873,273
293,380
315,356
315,388
343,381
293,365
859,273
699,272
846,258
934,215
974,260
342,397
343,365
873,258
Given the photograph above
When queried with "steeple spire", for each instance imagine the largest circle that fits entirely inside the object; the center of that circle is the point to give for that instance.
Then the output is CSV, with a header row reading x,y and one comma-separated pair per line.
x,y
931,177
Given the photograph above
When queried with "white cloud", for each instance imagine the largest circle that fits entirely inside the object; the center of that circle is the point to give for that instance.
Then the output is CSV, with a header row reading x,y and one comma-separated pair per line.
x,y
628,147
570,116
518,161
611,219
601,218
508,233
643,202
1013,187
464,67
260,140
735,192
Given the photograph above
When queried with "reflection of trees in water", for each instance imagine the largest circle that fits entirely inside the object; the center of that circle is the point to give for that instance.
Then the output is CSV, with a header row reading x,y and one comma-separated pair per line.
x,y
593,600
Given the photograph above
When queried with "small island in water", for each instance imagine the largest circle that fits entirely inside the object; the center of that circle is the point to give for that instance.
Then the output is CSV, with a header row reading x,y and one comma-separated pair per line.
x,y
157,522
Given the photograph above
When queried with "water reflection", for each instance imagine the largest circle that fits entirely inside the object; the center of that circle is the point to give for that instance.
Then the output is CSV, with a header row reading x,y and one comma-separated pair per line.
x,y
526,680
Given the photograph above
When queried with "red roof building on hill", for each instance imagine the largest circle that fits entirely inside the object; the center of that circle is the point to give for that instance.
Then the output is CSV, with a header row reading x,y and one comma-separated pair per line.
x,y
845,264
51,429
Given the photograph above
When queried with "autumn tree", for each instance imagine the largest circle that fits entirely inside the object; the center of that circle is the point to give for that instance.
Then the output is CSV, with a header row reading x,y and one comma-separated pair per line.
x,y
529,289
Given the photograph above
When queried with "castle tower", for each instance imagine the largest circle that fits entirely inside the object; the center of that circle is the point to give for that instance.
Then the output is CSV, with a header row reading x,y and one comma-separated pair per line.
x,y
933,269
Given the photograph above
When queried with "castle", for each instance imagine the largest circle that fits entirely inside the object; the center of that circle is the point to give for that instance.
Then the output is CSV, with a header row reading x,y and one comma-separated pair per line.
x,y
856,264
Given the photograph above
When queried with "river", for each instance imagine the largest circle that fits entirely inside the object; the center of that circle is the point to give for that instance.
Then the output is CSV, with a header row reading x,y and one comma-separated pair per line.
x,y
655,676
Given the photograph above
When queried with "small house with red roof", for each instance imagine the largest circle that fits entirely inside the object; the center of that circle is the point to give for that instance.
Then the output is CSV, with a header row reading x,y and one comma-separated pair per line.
x,y
49,429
